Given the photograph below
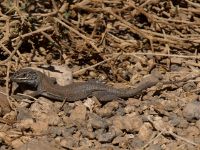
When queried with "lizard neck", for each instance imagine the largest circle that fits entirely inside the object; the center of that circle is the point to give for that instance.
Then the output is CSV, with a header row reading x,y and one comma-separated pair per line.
x,y
50,89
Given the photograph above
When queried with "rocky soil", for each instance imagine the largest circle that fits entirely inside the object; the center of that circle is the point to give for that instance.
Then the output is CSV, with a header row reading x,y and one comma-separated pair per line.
x,y
117,42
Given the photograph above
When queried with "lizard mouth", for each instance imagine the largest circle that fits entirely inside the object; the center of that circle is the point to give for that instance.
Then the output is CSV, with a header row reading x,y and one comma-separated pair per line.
x,y
18,79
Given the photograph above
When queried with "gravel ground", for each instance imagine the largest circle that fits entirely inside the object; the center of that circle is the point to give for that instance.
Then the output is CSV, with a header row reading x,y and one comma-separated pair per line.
x,y
116,42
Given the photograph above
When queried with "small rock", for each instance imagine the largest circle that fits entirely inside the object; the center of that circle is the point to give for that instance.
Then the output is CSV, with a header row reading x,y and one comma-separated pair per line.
x,y
136,143
85,144
69,142
174,120
25,124
189,86
10,117
154,147
23,113
106,137
17,143
191,111
53,119
145,132
67,132
161,125
178,121
39,127
79,113
38,145
97,122
170,105
4,104
198,124
192,131
183,123
42,109
106,147
128,123
120,111
85,133
123,142
133,102
107,109
55,131
129,109
68,122
117,131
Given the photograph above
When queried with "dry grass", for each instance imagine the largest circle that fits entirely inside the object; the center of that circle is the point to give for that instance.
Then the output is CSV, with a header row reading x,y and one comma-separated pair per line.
x,y
108,37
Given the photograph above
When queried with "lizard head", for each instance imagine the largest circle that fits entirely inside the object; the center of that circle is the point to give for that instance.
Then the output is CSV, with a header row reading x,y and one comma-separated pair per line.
x,y
26,76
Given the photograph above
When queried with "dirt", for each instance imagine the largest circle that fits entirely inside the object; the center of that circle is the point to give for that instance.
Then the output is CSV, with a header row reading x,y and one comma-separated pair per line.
x,y
116,42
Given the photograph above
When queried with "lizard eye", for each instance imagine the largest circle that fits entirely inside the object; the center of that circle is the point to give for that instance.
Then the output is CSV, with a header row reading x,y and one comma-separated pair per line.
x,y
24,75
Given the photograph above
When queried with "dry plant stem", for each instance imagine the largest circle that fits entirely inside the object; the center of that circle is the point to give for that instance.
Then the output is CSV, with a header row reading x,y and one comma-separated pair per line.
x,y
63,103
49,38
88,40
33,32
141,6
7,85
35,99
190,78
145,33
158,54
170,36
12,54
182,138
165,132
192,64
186,10
193,4
45,14
153,139
5,48
134,28
90,67
159,19
167,21
154,38
7,34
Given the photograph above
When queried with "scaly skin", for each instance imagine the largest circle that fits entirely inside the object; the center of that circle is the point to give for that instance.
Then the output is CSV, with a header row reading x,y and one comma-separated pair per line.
x,y
47,87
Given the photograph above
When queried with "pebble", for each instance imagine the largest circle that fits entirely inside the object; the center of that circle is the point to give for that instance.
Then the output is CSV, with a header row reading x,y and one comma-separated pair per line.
x,y
177,121
136,143
107,109
68,122
106,137
88,134
192,131
192,111
36,145
79,113
154,147
145,132
16,144
69,143
198,124
23,113
54,119
25,124
39,127
189,86
128,123
97,122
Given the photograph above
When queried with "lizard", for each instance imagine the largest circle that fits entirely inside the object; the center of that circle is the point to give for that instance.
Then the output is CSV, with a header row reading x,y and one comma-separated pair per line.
x,y
47,87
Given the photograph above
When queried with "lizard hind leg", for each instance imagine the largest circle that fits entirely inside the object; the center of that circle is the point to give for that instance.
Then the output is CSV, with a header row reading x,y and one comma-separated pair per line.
x,y
104,96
